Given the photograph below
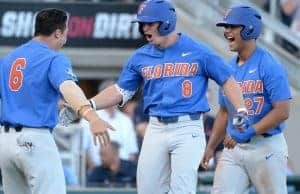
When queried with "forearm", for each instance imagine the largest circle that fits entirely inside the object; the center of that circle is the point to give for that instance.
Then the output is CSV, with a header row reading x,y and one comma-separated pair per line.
x,y
219,129
278,114
233,92
73,95
107,98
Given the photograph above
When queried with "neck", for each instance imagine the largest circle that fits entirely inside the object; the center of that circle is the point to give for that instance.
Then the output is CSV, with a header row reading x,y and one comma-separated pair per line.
x,y
46,40
246,52
169,40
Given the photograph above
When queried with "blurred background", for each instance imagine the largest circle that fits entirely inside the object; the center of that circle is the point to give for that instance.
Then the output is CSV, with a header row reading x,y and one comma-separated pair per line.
x,y
100,39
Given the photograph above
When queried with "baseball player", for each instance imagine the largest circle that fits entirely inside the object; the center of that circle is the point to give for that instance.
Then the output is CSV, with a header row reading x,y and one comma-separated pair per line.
x,y
174,70
32,78
257,151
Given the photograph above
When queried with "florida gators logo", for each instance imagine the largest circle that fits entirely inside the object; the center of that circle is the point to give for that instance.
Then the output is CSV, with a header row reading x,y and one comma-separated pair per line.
x,y
226,13
141,8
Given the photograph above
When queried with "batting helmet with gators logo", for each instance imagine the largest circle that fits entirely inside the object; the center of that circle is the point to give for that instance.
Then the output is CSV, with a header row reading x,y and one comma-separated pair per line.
x,y
244,16
157,11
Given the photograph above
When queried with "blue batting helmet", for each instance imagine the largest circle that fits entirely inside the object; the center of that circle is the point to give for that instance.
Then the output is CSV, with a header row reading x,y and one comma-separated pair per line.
x,y
244,16
157,11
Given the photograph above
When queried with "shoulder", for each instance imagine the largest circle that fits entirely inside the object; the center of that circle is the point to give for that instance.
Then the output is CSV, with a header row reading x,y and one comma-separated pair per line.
x,y
196,45
60,58
268,60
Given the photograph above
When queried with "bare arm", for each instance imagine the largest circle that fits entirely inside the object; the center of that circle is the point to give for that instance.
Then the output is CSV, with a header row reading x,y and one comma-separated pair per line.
x,y
218,134
233,92
108,97
74,96
219,128
279,113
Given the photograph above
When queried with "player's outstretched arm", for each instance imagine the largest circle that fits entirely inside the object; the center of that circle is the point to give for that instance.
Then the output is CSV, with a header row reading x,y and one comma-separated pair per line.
x,y
108,97
218,134
234,93
75,97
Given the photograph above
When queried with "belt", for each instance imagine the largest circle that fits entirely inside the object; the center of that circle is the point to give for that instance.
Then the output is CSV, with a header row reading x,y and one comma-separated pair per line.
x,y
17,128
175,119
266,135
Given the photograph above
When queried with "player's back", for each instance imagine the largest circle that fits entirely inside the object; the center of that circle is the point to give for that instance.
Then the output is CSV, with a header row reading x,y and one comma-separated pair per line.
x,y
26,92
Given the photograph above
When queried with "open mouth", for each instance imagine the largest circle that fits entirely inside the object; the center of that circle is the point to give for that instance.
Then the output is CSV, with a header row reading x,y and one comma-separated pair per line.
x,y
148,36
230,38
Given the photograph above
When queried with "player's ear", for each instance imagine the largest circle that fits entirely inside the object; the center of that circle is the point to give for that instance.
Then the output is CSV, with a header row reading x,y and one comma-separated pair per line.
x,y
57,33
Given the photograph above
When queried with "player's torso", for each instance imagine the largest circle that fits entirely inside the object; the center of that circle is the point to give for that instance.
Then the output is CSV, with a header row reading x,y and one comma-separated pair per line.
x,y
174,80
251,81
24,82
256,86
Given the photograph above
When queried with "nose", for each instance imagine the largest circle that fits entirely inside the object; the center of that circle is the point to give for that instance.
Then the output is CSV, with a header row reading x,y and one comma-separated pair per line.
x,y
227,28
146,26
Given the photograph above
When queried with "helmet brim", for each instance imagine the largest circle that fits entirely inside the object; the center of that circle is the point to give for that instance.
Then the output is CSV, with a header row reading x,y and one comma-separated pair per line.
x,y
226,23
145,19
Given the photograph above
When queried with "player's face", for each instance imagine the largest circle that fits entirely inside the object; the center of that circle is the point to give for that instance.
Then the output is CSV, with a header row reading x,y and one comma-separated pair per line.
x,y
151,33
233,36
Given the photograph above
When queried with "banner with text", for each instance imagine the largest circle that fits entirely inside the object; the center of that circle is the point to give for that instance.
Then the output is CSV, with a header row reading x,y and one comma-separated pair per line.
x,y
101,25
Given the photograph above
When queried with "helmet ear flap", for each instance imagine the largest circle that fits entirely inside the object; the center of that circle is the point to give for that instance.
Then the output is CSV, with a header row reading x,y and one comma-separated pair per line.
x,y
247,32
164,27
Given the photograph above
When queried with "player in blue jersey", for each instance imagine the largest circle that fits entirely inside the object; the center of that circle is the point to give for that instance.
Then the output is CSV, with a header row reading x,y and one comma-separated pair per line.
x,y
174,70
33,77
257,152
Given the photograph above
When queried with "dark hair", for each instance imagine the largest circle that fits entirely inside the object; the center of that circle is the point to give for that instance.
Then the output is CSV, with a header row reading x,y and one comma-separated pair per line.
x,y
48,20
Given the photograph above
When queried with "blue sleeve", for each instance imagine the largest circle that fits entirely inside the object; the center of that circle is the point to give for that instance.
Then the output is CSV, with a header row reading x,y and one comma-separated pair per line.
x,y
276,82
130,77
217,69
60,70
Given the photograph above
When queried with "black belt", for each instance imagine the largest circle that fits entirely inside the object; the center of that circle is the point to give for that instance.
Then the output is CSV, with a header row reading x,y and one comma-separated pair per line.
x,y
174,119
266,135
17,128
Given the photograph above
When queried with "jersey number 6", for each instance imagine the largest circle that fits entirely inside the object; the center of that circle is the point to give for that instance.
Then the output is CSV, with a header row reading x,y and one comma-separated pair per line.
x,y
16,74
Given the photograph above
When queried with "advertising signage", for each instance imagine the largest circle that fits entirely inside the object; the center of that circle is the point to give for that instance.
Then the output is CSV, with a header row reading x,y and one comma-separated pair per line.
x,y
91,25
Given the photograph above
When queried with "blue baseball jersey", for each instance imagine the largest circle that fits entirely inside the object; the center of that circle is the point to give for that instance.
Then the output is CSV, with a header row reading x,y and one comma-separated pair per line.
x,y
30,77
263,81
175,79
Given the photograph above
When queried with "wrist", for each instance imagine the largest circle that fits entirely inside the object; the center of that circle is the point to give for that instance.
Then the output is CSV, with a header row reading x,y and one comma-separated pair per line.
x,y
251,130
93,104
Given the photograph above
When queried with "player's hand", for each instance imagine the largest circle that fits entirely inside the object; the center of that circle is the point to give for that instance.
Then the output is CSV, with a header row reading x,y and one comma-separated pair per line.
x,y
67,115
240,120
100,128
208,154
229,142
242,136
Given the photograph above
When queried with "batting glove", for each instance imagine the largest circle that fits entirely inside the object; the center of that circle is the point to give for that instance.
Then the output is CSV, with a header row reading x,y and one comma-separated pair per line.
x,y
242,136
240,120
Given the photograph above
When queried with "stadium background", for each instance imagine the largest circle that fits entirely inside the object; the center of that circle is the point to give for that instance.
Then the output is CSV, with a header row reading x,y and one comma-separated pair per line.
x,y
101,37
